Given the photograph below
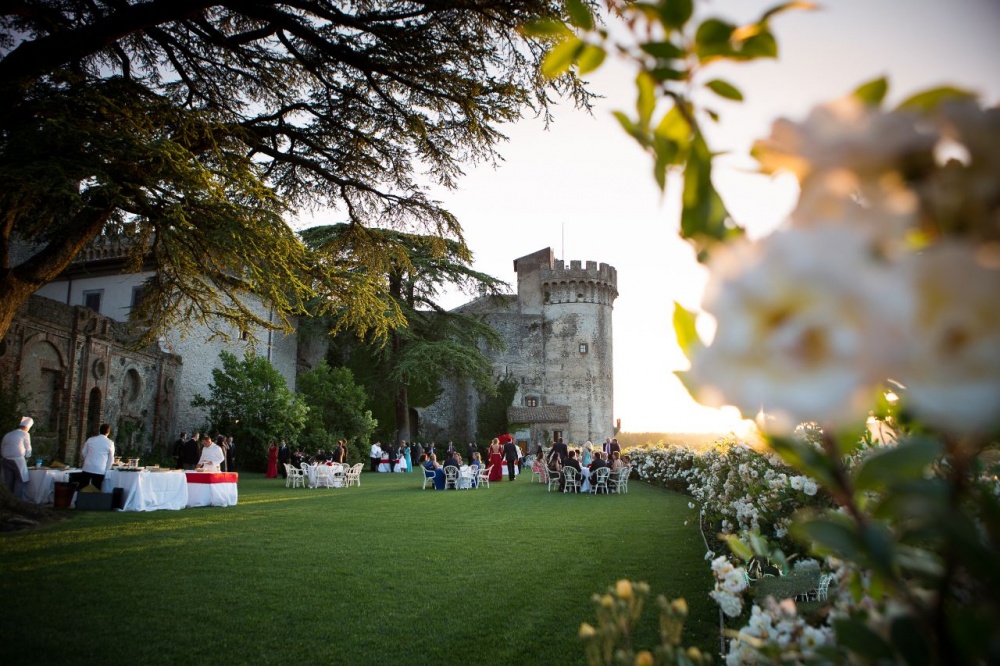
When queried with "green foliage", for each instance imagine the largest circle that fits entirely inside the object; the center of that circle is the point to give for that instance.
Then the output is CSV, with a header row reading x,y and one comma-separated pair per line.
x,y
190,132
491,416
12,404
619,610
249,400
336,408
404,368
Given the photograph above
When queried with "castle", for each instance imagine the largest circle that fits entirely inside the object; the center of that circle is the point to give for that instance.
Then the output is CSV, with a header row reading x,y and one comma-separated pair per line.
x,y
558,334
70,350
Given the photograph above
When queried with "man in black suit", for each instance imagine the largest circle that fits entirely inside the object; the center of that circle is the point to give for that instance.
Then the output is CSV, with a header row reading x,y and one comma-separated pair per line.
x,y
511,454
615,446
571,461
392,451
560,449
179,448
284,457
597,464
471,451
191,452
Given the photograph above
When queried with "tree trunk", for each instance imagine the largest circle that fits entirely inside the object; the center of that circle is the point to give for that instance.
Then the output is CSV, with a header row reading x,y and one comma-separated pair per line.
x,y
402,397
13,294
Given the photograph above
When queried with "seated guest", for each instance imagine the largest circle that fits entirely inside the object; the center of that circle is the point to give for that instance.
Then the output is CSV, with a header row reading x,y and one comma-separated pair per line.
x,y
476,464
599,463
211,455
616,461
432,464
570,461
454,459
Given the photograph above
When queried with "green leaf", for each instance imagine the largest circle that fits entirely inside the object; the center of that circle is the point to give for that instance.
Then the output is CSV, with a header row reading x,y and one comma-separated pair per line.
x,y
872,92
590,59
646,100
855,635
761,45
684,329
674,126
663,50
676,13
668,74
931,99
579,14
906,461
878,548
713,32
829,535
739,549
724,89
633,130
667,153
558,61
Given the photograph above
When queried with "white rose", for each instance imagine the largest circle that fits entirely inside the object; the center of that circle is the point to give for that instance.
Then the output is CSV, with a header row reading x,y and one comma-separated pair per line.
x,y
952,374
801,326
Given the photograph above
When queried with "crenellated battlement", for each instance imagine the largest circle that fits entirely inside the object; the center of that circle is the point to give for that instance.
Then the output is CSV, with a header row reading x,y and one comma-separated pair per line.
x,y
597,283
594,272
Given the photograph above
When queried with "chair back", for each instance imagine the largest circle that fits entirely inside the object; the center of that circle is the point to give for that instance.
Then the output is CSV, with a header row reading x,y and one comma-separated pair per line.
x,y
451,476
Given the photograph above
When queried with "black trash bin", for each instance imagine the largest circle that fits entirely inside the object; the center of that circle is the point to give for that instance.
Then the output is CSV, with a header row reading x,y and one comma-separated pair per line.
x,y
64,491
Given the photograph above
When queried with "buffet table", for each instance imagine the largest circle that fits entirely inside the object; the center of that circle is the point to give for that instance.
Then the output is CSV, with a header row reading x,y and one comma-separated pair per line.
x,y
145,490
211,488
41,485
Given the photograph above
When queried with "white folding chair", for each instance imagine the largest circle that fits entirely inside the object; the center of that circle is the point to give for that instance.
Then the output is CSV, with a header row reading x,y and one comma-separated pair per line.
x,y
296,476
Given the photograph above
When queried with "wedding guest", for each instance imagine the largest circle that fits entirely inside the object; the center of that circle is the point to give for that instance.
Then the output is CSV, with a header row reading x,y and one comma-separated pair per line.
x,y
599,463
570,461
560,449
179,448
432,464
375,455
191,452
406,457
284,457
212,456
588,453
15,447
495,460
98,453
512,455
393,454
272,461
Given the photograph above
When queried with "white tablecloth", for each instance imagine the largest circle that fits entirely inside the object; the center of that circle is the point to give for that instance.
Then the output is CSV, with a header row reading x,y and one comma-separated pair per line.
x,y
41,485
338,481
149,491
585,480
212,489
400,465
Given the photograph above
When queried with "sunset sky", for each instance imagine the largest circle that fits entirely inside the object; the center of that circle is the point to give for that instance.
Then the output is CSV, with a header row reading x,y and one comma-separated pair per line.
x,y
584,189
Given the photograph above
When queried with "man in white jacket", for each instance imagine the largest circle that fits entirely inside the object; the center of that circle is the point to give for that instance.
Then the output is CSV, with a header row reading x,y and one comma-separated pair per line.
x,y
98,453
15,447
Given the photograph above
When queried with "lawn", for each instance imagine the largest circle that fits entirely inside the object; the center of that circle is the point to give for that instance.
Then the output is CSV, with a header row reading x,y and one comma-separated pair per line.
x,y
382,574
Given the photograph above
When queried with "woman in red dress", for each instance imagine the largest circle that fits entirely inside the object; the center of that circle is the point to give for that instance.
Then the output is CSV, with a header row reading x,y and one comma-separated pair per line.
x,y
495,461
272,461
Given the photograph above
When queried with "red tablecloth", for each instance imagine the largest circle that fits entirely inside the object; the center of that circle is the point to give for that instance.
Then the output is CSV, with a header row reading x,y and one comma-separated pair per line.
x,y
212,488
214,477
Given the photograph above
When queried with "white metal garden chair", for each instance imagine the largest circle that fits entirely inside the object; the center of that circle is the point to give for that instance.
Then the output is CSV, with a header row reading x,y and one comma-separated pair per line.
x,y
572,482
295,476
428,478
599,479
451,477
484,476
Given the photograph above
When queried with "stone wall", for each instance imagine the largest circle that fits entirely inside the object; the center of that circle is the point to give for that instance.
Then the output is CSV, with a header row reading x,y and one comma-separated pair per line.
x,y
78,369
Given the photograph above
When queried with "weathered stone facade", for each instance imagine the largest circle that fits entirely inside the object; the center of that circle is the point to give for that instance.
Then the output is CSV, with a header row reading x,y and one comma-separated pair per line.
x,y
77,370
558,332
137,394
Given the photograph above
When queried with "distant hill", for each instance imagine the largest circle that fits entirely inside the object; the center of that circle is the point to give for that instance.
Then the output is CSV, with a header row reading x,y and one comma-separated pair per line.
x,y
693,440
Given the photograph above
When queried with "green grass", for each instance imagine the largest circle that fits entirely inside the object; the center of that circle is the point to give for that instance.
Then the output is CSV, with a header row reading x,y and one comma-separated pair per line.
x,y
382,574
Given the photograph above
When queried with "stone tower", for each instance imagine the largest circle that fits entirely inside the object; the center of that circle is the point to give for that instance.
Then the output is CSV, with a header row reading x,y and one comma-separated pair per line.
x,y
558,331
